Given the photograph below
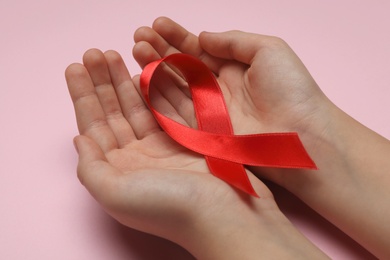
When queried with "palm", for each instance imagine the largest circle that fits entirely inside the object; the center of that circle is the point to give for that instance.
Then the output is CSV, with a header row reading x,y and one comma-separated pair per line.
x,y
269,95
110,111
140,175
155,151
265,85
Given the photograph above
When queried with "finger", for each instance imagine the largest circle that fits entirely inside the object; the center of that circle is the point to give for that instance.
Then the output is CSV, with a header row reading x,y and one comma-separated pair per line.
x,y
236,45
177,36
147,34
177,102
144,53
134,109
125,91
159,102
90,116
96,63
150,46
168,37
94,172
171,86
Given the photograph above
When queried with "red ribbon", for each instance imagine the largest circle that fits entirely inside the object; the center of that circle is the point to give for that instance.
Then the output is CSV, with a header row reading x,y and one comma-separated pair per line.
x,y
224,152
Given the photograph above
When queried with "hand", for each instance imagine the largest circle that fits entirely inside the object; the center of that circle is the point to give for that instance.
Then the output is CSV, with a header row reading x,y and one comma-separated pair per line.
x,y
148,182
268,89
265,85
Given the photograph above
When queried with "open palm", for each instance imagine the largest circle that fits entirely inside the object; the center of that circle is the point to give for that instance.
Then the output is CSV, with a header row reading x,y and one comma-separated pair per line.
x,y
139,175
265,85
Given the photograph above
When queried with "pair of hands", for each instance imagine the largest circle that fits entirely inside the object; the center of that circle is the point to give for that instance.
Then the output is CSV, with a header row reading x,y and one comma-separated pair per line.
x,y
147,181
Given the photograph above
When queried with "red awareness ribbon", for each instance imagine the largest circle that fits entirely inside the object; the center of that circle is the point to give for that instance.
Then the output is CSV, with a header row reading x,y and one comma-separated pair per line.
x,y
225,153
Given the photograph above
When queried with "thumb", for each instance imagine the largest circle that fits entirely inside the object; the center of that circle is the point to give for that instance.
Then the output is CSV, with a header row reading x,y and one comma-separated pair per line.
x,y
93,170
234,45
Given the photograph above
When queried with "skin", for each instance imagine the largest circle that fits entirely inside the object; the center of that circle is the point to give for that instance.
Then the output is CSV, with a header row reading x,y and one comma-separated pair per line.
x,y
268,89
147,182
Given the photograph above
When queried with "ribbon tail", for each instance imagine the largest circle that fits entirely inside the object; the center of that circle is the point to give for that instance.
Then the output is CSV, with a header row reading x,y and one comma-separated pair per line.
x,y
280,150
232,173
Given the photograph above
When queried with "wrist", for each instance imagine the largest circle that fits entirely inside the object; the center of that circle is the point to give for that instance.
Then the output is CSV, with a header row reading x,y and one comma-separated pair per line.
x,y
259,230
350,182
320,136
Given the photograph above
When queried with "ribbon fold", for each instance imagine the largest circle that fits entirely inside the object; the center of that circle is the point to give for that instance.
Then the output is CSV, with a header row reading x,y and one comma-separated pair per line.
x,y
225,153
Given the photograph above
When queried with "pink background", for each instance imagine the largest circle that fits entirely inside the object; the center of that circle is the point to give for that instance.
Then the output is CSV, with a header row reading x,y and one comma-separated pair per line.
x,y
47,214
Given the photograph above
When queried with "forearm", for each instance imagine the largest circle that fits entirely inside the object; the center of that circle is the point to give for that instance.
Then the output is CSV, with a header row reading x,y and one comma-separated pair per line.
x,y
351,187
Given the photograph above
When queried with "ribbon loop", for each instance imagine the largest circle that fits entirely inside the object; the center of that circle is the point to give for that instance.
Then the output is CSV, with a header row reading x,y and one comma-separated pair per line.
x,y
225,153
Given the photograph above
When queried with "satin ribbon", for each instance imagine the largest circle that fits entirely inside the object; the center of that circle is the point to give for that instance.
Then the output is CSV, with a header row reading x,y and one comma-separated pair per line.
x,y
225,153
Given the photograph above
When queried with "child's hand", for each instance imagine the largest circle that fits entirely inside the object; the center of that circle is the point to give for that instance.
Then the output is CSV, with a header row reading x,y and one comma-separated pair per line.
x,y
265,85
268,89
148,182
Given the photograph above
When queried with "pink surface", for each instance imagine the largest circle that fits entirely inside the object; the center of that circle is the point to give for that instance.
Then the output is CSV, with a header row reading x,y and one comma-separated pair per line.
x,y
47,214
